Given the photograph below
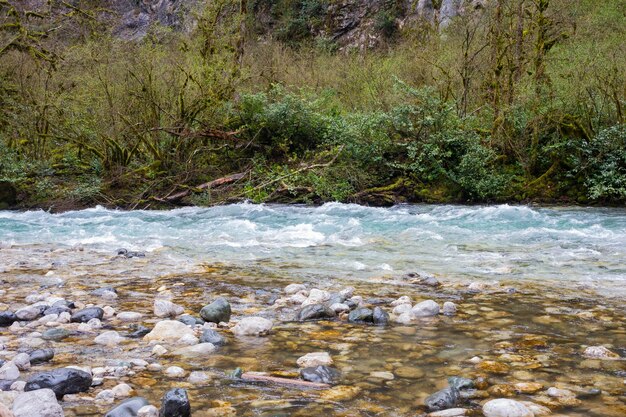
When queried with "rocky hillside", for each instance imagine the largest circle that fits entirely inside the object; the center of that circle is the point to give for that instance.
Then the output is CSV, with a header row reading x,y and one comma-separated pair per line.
x,y
345,23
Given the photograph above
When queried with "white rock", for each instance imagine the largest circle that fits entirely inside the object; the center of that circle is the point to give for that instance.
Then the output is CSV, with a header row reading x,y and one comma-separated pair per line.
x,y
339,307
106,395
388,376
129,316
357,299
347,292
108,312
449,308
28,313
159,350
139,363
537,410
198,378
475,359
64,317
477,286
165,308
94,323
297,298
148,411
405,318
154,367
503,407
318,296
109,338
9,371
450,412
196,351
401,309
600,352
425,309
38,403
559,393
175,372
18,386
314,359
405,299
294,288
22,361
252,326
188,340
122,391
168,331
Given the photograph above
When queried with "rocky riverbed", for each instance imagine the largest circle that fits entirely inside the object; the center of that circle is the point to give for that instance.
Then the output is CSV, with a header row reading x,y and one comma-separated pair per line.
x,y
86,334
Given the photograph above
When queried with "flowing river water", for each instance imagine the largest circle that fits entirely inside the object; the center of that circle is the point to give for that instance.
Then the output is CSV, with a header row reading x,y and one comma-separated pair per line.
x,y
547,283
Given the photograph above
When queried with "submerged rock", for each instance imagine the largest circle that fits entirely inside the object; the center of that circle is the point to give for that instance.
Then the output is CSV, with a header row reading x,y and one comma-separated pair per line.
x,y
449,308
216,312
86,314
361,315
252,326
316,312
441,400
503,407
211,336
55,334
321,374
175,403
37,403
128,408
600,352
62,381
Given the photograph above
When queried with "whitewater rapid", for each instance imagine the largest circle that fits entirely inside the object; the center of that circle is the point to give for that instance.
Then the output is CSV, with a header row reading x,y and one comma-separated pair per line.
x,y
490,242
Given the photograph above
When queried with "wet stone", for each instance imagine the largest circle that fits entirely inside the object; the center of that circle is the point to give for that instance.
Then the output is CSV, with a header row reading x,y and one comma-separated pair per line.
x,y
321,374
7,318
216,312
380,316
41,356
190,320
361,315
62,381
212,336
441,400
86,314
315,312
460,383
128,408
55,334
138,332
175,403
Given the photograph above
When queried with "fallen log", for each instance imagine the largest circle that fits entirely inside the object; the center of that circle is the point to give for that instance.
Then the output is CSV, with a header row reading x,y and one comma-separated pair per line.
x,y
248,376
207,185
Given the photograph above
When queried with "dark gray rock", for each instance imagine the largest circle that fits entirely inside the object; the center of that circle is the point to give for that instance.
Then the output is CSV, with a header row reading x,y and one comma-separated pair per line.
x,y
55,334
57,310
175,403
7,318
130,254
128,408
584,395
217,311
460,383
138,332
322,374
361,315
5,384
211,336
41,356
442,400
316,312
64,303
380,316
86,314
62,381
190,320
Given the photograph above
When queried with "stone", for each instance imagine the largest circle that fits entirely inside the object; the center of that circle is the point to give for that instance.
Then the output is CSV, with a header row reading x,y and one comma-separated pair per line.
x,y
252,326
55,334
175,403
196,351
600,352
198,378
9,371
216,312
62,381
128,408
129,316
339,307
380,317
441,400
503,407
388,376
37,403
109,338
315,312
138,332
18,386
159,350
460,383
425,309
341,393
401,309
168,331
7,318
22,361
528,387
30,313
190,320
294,288
188,340
175,372
361,315
409,372
314,359
165,308
449,308
404,300
321,374
41,356
148,411
451,412
122,390
536,409
5,412
86,314
211,336
106,292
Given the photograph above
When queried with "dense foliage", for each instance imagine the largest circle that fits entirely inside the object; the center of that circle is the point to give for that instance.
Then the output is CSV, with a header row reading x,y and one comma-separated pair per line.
x,y
522,100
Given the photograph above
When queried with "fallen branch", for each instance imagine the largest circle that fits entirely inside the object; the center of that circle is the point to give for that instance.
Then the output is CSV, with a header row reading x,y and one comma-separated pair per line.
x,y
207,185
247,376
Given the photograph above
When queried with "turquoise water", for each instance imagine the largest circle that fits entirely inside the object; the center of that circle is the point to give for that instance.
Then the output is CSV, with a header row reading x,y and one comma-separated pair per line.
x,y
492,242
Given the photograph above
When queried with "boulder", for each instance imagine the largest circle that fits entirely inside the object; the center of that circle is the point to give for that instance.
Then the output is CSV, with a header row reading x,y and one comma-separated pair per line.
x,y
252,326
37,403
9,371
216,312
175,403
62,381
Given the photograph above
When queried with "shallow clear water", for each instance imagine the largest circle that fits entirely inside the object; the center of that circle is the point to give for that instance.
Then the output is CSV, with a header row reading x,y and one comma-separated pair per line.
x,y
513,242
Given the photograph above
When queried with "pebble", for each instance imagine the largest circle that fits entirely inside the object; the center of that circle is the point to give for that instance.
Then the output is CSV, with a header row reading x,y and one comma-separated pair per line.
x,y
128,408
321,373
129,316
109,338
451,412
294,288
449,308
198,378
503,407
165,308
62,381
175,372
216,312
122,390
252,326
314,359
388,376
404,300
168,331
87,314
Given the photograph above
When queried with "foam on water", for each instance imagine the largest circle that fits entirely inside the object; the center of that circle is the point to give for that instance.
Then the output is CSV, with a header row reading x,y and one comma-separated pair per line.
x,y
507,241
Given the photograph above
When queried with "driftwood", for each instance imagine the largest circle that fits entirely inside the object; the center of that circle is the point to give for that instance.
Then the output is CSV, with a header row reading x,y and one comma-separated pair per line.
x,y
207,185
247,376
